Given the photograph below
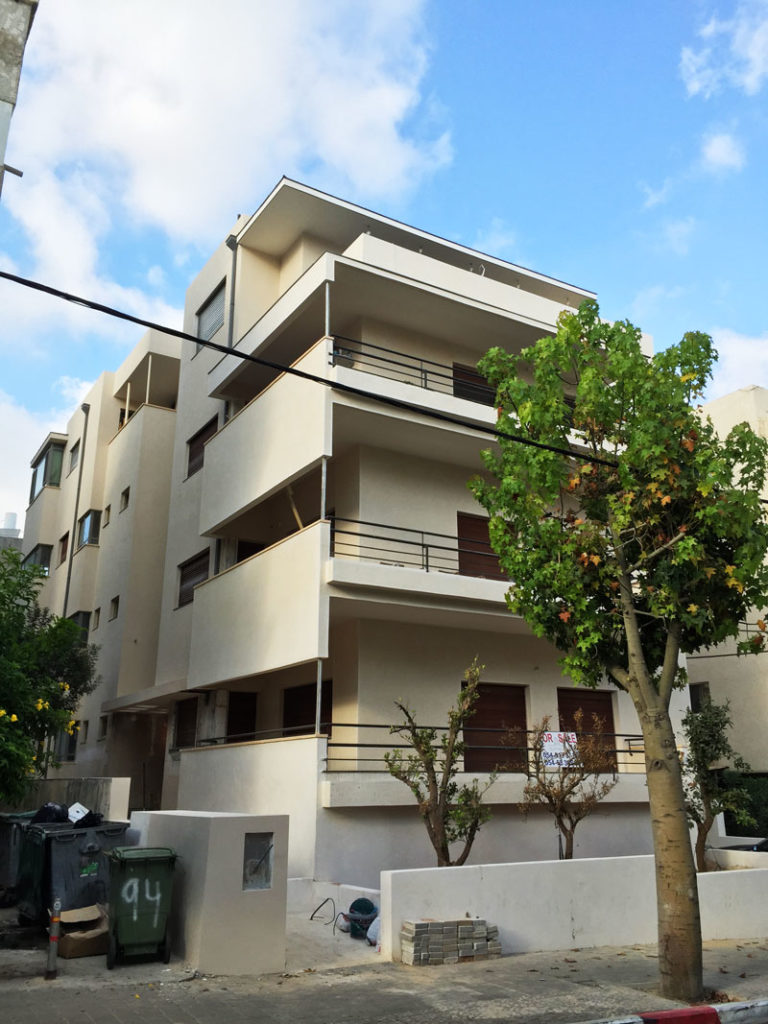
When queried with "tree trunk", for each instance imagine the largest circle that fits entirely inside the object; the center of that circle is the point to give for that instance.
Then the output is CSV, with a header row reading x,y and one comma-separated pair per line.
x,y
680,965
568,833
702,831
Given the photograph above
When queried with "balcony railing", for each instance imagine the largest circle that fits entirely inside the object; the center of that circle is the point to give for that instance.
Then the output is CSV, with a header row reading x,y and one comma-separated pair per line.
x,y
487,749
414,549
455,379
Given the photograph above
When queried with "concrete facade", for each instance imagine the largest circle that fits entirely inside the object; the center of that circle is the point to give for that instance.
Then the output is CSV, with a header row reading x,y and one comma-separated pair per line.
x,y
313,562
741,681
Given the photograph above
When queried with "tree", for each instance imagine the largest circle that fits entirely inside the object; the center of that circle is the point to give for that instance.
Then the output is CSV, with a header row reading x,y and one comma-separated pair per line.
x,y
45,668
570,786
644,540
451,813
709,793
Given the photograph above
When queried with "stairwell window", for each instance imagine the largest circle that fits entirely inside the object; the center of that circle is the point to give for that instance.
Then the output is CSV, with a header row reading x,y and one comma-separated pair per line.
x,y
125,497
196,445
74,456
88,528
114,607
210,316
192,572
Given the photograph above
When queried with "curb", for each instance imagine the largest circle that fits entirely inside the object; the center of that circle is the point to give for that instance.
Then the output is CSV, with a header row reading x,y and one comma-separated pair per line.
x,y
755,1012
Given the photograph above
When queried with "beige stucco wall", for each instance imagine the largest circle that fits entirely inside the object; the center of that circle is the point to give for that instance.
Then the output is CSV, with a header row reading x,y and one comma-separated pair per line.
x,y
218,926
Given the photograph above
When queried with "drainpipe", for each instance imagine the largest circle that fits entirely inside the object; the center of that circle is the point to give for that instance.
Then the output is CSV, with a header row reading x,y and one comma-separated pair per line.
x,y
73,538
327,309
318,696
231,243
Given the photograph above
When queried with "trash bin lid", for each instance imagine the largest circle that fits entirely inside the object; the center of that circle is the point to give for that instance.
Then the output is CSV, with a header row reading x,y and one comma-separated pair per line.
x,y
139,853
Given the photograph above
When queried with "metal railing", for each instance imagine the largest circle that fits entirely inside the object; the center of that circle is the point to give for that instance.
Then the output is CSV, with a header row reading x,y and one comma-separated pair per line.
x,y
460,381
415,549
485,749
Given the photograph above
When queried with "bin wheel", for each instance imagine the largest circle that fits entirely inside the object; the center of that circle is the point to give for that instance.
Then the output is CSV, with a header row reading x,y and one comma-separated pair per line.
x,y
112,951
165,946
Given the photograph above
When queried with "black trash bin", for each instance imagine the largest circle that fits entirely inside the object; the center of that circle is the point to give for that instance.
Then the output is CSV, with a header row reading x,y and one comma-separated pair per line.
x,y
57,860
12,826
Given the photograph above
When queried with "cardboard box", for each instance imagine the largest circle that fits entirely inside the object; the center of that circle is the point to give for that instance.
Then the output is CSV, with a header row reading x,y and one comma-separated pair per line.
x,y
84,932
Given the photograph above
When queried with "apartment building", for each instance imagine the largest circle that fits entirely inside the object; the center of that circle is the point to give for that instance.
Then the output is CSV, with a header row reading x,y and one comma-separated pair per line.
x,y
718,673
323,555
96,523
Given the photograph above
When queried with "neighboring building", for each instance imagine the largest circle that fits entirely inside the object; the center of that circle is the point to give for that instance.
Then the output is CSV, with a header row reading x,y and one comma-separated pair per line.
x,y
719,673
10,537
16,17
323,553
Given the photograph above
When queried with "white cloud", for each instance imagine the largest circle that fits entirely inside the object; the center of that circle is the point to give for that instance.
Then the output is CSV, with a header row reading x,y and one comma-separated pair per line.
x,y
722,152
156,276
735,53
655,196
16,421
676,235
648,301
743,361
497,239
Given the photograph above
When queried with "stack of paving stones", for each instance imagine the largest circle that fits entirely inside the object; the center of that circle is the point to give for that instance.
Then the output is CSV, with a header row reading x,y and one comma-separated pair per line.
x,y
423,943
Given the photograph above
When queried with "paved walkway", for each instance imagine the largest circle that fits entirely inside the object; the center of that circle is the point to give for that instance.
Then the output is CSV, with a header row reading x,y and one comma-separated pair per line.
x,y
352,985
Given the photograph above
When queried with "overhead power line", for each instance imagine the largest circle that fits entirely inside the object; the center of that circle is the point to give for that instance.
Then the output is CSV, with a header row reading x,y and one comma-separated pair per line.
x,y
349,389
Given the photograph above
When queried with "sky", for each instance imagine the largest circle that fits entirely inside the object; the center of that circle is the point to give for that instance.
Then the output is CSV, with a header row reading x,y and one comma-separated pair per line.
x,y
622,147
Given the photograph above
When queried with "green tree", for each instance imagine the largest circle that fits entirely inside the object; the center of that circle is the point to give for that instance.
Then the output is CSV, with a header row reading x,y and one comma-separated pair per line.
x,y
571,786
625,563
45,668
451,813
709,793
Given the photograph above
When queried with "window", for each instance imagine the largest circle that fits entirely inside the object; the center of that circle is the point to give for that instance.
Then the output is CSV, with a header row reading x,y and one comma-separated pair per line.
x,y
74,456
66,744
590,703
40,555
185,732
63,548
192,572
196,446
114,607
88,528
468,383
84,731
103,726
83,620
107,516
699,694
210,316
299,709
241,716
46,472
476,556
95,618
499,721
125,497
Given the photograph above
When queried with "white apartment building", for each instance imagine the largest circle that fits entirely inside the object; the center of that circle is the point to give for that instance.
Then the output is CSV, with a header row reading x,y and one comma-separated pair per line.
x,y
322,555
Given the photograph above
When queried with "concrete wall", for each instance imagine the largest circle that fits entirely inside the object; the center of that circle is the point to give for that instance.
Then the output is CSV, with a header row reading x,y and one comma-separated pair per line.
x,y
562,904
217,925
269,777
107,796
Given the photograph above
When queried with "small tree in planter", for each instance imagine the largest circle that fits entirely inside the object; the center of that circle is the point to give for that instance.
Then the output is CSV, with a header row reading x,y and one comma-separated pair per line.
x,y
709,793
569,786
452,813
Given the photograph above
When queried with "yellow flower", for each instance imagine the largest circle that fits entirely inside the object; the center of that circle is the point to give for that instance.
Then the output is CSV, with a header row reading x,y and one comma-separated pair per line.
x,y
14,718
3,712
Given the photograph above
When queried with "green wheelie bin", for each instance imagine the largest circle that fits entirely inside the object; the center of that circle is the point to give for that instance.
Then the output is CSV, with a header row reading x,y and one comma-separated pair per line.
x,y
140,893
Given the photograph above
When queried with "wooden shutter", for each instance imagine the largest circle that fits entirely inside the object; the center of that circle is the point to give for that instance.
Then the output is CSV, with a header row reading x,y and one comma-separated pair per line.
x,y
476,556
190,574
499,709
590,702
210,316
468,383
196,445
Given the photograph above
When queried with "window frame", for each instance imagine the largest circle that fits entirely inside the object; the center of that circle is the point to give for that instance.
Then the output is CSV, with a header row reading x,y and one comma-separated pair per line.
x,y
47,468
33,558
186,584
196,445
125,499
93,518
203,330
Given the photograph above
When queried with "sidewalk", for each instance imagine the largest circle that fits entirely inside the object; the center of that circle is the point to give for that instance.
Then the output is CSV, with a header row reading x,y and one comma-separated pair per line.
x,y
332,979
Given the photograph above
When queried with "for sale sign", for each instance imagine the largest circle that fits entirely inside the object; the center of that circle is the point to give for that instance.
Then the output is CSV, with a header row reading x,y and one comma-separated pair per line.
x,y
557,748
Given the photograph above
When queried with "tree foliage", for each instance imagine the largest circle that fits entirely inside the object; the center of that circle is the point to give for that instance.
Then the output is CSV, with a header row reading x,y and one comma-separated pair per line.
x,y
645,540
571,789
45,668
451,813
708,792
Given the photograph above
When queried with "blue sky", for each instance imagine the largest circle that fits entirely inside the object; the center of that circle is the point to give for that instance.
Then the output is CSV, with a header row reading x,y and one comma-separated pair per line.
x,y
618,146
